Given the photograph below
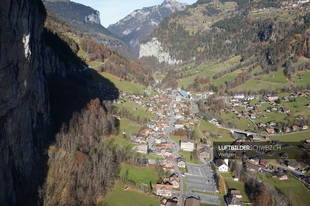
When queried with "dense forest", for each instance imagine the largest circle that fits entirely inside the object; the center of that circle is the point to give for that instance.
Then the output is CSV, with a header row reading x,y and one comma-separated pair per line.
x,y
82,165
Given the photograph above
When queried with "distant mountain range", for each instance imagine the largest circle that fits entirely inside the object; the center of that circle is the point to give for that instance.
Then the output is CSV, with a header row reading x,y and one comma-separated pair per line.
x,y
216,29
85,20
138,25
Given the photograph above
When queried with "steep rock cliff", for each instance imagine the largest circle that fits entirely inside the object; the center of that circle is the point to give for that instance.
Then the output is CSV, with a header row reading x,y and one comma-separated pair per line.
x,y
43,84
23,101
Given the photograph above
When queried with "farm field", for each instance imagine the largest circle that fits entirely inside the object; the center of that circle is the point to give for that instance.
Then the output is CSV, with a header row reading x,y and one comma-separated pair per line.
x,y
190,157
128,198
123,85
129,127
293,189
139,175
230,183
212,132
135,110
207,71
300,136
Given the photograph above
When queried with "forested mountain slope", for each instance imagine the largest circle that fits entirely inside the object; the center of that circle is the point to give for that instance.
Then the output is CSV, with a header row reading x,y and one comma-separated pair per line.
x,y
86,20
99,56
211,30
138,25
234,45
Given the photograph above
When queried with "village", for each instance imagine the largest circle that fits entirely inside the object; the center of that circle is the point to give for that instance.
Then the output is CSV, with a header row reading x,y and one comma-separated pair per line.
x,y
191,175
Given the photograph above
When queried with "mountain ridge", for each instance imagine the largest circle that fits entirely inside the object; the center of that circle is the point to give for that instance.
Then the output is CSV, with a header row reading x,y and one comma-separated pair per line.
x,y
86,20
139,24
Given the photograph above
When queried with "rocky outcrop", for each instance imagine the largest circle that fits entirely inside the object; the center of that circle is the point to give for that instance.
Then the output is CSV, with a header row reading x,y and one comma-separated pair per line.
x,y
86,20
155,49
138,25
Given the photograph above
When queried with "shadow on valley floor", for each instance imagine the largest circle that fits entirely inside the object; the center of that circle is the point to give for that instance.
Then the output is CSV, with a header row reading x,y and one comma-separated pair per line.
x,y
71,94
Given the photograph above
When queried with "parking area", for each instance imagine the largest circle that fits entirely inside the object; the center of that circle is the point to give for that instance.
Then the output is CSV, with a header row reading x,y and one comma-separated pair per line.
x,y
200,178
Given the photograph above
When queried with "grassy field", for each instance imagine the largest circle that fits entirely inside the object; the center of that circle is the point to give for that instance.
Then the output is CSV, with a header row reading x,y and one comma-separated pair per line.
x,y
213,132
297,106
130,87
207,71
226,78
236,185
293,189
273,80
139,175
302,78
190,157
258,84
176,138
276,77
129,127
120,197
137,111
293,137
235,122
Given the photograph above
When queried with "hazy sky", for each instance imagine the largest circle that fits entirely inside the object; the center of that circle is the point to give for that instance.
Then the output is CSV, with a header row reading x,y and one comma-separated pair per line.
x,y
113,10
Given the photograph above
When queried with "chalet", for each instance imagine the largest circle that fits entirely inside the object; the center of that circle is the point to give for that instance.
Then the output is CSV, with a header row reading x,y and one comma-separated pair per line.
x,y
239,96
270,130
252,167
282,176
287,129
233,198
192,201
168,168
163,190
204,154
174,180
236,193
221,165
187,145
295,128
179,126
181,163
264,163
305,127
272,98
235,179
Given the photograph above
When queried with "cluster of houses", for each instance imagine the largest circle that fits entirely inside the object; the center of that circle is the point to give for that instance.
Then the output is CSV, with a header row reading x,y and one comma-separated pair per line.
x,y
285,5
242,107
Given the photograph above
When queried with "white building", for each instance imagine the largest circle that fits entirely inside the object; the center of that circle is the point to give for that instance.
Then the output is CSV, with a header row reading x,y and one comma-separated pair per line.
x,y
181,163
223,168
222,165
141,149
188,146
179,126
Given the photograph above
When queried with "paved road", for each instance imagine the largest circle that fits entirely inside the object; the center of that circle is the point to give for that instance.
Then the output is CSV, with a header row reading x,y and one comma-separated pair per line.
x,y
176,147
204,198
199,177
